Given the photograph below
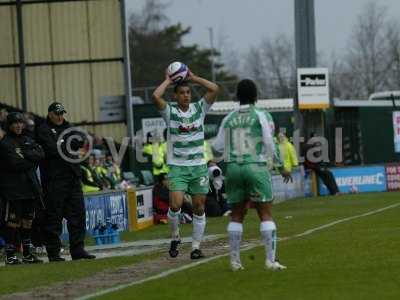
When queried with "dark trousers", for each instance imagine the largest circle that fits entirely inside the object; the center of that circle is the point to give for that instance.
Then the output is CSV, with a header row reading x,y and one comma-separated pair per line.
x,y
37,232
18,216
64,199
328,179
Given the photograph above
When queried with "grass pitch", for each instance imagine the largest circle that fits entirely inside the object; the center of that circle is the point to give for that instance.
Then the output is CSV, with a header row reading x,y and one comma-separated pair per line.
x,y
357,259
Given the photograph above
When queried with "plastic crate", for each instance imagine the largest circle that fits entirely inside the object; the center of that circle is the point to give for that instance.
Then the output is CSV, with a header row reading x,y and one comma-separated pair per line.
x,y
107,234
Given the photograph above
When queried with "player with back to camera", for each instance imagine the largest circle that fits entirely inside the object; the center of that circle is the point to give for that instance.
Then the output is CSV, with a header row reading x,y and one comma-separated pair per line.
x,y
185,154
246,138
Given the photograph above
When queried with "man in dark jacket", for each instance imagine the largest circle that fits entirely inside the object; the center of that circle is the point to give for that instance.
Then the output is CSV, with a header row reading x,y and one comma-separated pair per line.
x,y
319,168
61,181
19,187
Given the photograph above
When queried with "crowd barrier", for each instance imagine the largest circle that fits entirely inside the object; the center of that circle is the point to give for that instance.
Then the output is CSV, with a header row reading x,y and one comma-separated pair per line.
x,y
108,206
140,208
129,210
133,209
301,186
362,179
357,179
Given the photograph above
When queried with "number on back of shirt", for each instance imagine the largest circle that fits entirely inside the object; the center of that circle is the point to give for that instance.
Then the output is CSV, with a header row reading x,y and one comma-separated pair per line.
x,y
242,142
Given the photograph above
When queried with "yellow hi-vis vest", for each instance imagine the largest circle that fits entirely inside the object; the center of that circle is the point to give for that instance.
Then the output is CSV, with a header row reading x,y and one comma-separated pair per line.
x,y
117,173
101,171
158,154
87,188
288,155
208,155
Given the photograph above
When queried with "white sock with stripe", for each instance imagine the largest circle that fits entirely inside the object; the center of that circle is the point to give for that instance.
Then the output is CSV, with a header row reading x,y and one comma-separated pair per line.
x,y
235,232
199,224
268,234
174,221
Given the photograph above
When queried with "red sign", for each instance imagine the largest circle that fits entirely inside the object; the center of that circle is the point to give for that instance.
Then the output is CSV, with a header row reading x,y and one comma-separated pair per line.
x,y
393,177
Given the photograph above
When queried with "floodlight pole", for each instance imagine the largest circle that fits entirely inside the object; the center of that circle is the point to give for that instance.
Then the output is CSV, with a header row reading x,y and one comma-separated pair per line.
x,y
306,56
21,51
127,85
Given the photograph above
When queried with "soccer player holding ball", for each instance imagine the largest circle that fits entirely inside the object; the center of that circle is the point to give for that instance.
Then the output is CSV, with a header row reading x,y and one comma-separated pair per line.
x,y
246,139
185,150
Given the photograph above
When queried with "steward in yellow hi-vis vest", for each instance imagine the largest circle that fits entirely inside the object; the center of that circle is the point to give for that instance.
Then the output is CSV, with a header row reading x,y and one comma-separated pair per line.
x,y
208,152
158,153
88,183
287,153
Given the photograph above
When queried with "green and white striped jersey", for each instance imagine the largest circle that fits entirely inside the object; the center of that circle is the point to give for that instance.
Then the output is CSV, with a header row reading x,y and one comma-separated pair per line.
x,y
246,136
185,142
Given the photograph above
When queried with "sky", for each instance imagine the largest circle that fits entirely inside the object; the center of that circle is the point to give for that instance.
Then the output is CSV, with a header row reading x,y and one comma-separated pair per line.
x,y
242,24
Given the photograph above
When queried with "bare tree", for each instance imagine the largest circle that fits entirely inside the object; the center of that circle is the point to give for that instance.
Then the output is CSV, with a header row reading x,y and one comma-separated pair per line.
x,y
152,18
280,63
335,75
272,65
367,59
255,68
229,57
393,40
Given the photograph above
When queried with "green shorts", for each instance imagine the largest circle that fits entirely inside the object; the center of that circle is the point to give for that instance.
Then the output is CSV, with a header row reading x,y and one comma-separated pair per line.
x,y
192,180
251,181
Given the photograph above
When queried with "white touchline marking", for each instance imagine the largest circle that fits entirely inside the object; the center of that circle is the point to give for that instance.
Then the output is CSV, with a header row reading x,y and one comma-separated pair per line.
x,y
206,260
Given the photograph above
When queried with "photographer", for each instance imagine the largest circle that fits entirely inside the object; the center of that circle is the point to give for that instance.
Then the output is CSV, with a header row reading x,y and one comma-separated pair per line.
x,y
61,180
19,187
216,204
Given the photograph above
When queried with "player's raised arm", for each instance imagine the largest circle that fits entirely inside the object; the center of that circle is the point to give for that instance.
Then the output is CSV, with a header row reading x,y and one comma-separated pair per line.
x,y
159,93
212,88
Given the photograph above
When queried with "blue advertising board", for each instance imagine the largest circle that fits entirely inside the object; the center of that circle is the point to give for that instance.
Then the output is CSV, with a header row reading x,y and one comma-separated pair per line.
x,y
110,206
298,188
357,180
101,207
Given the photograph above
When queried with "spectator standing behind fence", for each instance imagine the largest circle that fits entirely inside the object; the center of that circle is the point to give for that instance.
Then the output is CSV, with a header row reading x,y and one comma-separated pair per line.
x,y
19,187
287,152
157,149
61,181
113,172
89,182
101,172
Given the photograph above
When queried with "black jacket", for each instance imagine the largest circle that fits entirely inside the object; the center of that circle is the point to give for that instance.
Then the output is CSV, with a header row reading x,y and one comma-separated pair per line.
x,y
19,159
54,166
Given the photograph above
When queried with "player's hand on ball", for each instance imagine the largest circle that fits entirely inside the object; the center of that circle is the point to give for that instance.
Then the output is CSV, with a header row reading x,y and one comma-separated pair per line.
x,y
167,78
190,76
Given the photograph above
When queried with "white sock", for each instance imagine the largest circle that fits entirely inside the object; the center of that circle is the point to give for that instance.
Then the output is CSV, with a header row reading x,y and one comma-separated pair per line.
x,y
174,220
235,232
199,224
268,234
